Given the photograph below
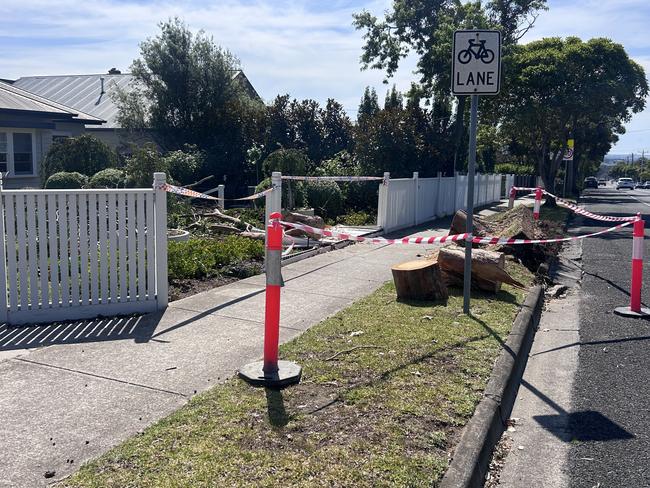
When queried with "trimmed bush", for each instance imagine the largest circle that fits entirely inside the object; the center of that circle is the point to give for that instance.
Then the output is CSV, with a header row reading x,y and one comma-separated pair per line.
x,y
108,178
84,154
201,257
64,180
326,198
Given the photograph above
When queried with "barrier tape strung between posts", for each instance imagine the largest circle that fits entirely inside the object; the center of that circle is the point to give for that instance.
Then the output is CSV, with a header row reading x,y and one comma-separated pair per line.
x,y
510,241
333,178
178,190
587,213
580,210
442,239
375,240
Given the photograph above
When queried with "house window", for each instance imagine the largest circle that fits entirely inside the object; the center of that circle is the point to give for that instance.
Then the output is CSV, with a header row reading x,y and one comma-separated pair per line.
x,y
23,153
4,152
17,155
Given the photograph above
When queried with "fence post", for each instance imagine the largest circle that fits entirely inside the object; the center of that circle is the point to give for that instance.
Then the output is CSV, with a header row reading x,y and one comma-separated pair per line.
x,y
455,193
273,200
160,202
416,196
221,194
3,261
382,203
438,189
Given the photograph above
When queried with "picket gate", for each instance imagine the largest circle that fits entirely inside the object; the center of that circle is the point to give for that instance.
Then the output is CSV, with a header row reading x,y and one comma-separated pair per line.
x,y
75,254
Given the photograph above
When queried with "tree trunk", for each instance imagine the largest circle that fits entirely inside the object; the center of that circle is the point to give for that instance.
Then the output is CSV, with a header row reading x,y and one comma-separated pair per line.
x,y
419,280
487,269
459,225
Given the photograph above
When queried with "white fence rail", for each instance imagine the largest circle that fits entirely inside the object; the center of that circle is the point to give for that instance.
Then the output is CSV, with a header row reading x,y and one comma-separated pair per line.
x,y
73,254
412,201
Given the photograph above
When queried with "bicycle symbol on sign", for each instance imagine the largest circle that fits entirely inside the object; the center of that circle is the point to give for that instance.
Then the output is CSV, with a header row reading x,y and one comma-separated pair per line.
x,y
477,50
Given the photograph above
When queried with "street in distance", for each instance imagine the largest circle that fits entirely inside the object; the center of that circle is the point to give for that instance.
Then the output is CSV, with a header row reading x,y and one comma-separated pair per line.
x,y
476,62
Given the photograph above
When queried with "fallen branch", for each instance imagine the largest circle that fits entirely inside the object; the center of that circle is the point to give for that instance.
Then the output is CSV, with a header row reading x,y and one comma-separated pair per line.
x,y
196,183
352,350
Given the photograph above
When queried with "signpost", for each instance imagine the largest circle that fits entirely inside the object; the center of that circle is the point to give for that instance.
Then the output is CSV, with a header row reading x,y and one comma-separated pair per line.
x,y
568,164
476,70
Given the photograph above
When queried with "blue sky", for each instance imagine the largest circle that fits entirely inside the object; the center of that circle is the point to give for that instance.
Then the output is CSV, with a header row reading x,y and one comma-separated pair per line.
x,y
303,47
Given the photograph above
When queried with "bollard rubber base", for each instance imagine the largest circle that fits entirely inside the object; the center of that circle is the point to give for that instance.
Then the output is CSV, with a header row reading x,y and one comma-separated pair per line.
x,y
288,373
627,312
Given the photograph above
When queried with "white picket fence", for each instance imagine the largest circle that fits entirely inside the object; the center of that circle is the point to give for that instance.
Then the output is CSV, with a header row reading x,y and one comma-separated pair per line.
x,y
73,254
407,202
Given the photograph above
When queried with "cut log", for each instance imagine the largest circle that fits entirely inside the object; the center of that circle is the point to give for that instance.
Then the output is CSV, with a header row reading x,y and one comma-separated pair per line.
x,y
459,225
311,220
419,280
487,269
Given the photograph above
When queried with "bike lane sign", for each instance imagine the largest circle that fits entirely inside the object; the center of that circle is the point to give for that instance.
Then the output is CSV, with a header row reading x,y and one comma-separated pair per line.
x,y
476,63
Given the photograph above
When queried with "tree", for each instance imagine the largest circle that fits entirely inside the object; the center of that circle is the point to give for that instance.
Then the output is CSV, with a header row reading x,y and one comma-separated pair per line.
x,y
369,105
337,130
425,28
186,94
554,86
84,154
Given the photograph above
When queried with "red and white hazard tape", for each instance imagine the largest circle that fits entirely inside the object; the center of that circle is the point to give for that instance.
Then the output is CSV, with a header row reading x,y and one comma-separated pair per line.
x,y
376,240
178,190
442,239
591,215
505,240
333,178
576,209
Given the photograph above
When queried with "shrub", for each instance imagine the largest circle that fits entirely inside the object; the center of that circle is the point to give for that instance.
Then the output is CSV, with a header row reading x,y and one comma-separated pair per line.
x,y
288,161
326,198
201,257
108,178
515,169
65,180
297,192
357,218
184,165
84,154
142,164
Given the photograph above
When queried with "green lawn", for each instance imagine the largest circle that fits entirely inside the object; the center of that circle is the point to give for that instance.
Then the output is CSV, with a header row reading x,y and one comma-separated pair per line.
x,y
386,390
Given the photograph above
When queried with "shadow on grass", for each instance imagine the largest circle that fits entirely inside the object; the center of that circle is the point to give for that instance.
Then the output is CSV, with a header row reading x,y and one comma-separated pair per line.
x,y
278,416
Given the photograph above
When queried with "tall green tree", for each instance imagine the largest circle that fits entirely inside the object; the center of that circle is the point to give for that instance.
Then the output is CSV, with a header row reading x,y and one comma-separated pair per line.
x,y
424,28
556,86
337,130
369,105
186,94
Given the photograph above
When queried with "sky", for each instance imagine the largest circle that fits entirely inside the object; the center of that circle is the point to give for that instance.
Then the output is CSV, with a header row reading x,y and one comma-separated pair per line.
x,y
307,48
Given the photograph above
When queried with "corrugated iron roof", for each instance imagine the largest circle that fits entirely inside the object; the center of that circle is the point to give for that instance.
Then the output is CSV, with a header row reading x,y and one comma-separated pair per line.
x,y
15,98
82,92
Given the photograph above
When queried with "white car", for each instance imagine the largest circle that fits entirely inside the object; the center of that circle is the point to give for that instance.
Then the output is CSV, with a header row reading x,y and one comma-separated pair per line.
x,y
625,183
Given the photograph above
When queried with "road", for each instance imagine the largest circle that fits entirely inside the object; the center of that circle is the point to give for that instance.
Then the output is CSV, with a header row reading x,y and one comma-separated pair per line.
x,y
584,403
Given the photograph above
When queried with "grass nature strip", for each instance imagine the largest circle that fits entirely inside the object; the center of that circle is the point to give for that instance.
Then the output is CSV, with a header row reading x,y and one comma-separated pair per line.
x,y
386,390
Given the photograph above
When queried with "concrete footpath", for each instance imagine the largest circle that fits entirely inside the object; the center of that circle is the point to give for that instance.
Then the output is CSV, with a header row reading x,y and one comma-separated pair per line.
x,y
70,392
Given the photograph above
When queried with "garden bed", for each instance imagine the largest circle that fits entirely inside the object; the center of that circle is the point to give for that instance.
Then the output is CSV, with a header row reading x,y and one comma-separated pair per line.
x,y
386,391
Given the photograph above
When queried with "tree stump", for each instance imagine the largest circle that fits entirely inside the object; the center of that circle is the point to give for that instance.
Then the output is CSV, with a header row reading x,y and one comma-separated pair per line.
x,y
487,268
419,280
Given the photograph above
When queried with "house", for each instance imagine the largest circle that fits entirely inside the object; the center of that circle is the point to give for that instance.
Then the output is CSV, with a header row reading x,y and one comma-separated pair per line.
x,y
28,125
96,95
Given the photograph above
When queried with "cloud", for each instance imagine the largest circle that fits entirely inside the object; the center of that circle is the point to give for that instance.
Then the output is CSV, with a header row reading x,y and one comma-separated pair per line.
x,y
293,46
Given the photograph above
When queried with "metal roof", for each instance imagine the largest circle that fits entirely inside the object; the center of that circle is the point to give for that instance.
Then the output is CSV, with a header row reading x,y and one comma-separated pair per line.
x,y
15,98
82,92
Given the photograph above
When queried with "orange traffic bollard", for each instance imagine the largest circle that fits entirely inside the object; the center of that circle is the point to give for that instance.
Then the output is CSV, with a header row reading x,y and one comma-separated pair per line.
x,y
538,203
272,372
635,309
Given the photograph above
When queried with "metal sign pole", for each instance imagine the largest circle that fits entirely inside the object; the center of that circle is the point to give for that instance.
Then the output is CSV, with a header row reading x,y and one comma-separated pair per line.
x,y
471,170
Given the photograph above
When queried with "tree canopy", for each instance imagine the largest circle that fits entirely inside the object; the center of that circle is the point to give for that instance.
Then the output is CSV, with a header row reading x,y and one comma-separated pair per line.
x,y
557,88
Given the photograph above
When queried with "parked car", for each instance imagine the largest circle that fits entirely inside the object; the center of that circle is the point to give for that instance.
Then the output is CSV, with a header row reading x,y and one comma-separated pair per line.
x,y
639,185
625,183
602,182
590,182
645,185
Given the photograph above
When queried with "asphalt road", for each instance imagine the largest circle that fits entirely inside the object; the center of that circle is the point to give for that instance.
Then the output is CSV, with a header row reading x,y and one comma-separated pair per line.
x,y
610,419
